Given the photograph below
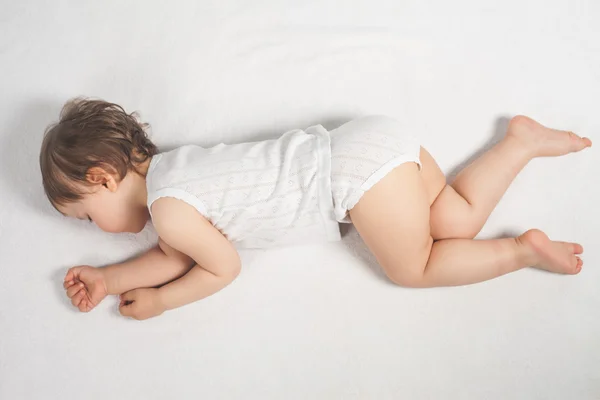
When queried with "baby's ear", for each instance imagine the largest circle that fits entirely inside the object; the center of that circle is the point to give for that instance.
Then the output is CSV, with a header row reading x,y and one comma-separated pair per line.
x,y
99,176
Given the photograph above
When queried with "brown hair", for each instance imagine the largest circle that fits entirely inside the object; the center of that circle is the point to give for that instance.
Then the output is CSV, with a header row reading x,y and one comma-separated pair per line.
x,y
90,133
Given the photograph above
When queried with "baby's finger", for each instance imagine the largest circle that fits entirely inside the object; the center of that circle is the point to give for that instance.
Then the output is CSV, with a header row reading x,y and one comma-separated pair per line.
x,y
72,273
84,306
128,296
76,299
127,310
68,284
74,289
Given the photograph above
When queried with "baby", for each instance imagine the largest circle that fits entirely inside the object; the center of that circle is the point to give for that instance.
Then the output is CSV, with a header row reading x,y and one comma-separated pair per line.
x,y
99,165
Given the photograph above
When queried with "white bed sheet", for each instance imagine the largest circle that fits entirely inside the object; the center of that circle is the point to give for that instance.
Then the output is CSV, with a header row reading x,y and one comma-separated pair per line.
x,y
312,322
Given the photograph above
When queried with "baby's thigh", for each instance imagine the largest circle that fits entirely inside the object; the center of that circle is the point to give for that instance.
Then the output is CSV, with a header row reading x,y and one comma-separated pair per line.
x,y
392,218
434,178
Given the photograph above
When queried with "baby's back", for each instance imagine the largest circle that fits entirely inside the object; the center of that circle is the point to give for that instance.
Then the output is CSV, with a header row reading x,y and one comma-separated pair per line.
x,y
258,194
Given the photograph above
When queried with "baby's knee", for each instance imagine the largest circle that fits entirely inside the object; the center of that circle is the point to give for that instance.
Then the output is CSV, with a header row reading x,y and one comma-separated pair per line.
x,y
408,279
447,222
411,273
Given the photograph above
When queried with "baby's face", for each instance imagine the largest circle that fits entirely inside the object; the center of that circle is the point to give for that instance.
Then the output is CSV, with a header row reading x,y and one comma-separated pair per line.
x,y
113,207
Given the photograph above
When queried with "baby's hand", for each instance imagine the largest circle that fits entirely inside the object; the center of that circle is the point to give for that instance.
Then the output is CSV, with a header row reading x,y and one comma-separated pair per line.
x,y
85,286
141,304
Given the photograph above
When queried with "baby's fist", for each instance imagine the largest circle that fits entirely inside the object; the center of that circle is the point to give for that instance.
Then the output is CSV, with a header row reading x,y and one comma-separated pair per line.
x,y
85,286
141,304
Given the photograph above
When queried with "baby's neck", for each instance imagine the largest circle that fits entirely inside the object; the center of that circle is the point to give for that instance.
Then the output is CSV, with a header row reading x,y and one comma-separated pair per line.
x,y
139,192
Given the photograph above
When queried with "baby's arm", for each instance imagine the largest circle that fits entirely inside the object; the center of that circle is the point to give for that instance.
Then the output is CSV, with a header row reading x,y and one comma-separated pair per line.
x,y
156,267
187,231
86,286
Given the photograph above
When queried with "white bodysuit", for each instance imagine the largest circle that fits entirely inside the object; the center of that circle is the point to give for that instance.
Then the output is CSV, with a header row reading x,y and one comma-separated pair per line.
x,y
291,190
259,194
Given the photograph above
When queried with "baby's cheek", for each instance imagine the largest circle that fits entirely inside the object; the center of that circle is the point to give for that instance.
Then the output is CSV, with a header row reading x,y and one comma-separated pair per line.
x,y
113,222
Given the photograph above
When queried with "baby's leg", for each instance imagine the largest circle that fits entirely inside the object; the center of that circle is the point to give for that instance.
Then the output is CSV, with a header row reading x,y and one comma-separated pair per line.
x,y
461,209
393,219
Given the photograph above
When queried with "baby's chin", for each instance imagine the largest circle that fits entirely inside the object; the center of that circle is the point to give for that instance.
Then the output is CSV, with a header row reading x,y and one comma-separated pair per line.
x,y
140,226
136,231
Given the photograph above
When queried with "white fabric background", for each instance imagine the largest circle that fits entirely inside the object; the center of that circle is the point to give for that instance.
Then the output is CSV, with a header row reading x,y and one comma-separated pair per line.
x,y
314,322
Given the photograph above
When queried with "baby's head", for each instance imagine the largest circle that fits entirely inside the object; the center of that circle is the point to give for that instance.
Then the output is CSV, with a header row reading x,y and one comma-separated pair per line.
x,y
94,162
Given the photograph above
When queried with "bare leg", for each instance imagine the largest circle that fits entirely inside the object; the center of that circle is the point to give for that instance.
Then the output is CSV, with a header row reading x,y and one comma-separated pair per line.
x,y
393,220
455,262
460,210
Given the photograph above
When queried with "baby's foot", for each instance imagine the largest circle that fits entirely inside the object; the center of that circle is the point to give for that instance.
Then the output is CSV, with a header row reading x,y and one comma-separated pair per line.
x,y
545,142
559,257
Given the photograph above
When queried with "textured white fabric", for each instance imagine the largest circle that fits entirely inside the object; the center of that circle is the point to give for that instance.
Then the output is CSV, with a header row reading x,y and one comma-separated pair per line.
x,y
258,194
290,190
363,151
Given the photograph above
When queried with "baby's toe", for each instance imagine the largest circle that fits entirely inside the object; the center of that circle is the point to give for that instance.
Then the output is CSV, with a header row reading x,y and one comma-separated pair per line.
x,y
576,143
578,265
574,248
574,265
